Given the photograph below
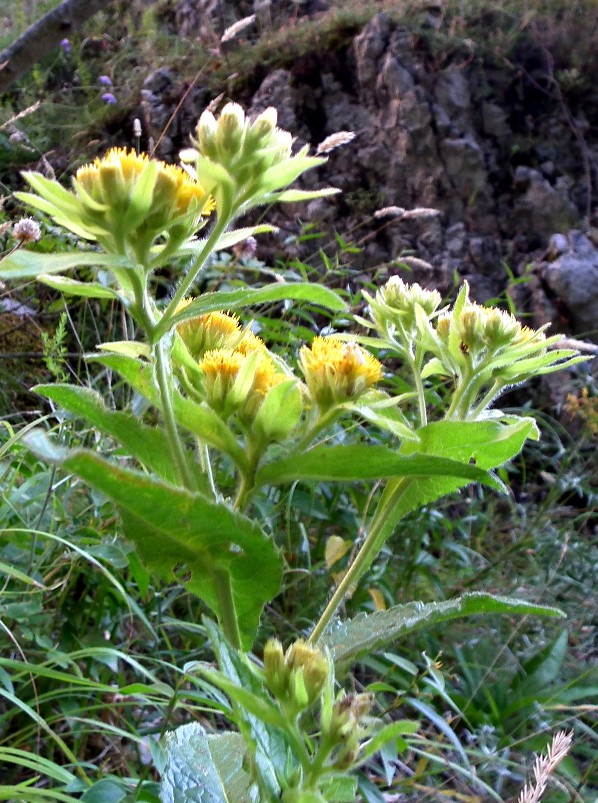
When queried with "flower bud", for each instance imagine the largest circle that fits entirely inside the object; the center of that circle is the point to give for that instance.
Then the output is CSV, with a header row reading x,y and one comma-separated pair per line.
x,y
275,668
206,136
230,131
311,665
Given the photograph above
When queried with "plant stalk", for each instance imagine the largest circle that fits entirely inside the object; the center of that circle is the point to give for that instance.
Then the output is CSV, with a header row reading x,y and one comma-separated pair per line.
x,y
170,311
164,382
381,521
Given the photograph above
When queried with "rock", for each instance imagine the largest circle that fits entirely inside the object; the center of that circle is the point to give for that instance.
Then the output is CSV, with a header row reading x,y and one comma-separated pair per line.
x,y
540,208
573,277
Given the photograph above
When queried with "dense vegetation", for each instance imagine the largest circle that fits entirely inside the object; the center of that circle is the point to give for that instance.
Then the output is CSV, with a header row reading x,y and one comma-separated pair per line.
x,y
97,654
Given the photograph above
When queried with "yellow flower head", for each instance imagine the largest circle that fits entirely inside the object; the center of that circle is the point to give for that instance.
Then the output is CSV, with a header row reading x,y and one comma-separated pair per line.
x,y
238,382
214,330
336,371
126,200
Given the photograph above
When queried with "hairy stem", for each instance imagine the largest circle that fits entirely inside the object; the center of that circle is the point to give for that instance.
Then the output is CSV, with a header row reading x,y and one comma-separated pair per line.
x,y
163,373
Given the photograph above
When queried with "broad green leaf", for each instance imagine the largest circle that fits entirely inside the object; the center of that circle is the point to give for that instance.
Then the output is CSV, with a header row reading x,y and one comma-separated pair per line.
x,y
362,462
72,287
485,444
201,421
228,754
250,296
105,791
148,444
190,775
217,554
22,264
366,633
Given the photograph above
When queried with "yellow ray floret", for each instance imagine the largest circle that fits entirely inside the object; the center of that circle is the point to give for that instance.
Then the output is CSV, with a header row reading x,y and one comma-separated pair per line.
x,y
336,371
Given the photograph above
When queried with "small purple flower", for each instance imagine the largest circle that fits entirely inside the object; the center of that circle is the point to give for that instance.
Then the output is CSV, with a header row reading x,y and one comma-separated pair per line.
x,y
65,44
109,98
104,80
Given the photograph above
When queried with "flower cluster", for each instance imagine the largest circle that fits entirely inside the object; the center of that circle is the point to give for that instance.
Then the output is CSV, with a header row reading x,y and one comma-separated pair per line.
x,y
295,678
242,163
238,376
337,372
482,349
125,201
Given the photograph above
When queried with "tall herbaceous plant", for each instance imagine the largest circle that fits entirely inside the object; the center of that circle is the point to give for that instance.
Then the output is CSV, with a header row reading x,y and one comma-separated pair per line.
x,y
217,390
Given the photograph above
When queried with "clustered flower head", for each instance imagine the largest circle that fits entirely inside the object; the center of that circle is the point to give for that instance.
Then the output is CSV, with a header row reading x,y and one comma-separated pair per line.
x,y
214,330
125,201
336,371
242,162
396,307
482,349
26,230
297,677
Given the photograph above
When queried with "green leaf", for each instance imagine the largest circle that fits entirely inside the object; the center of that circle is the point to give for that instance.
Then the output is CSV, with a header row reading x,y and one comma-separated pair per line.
x,y
250,296
293,196
72,287
190,775
338,787
228,753
184,536
485,444
227,240
22,264
366,633
394,732
361,462
543,668
105,791
148,444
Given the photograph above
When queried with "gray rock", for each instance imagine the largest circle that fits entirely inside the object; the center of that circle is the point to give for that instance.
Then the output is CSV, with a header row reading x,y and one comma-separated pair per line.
x,y
573,277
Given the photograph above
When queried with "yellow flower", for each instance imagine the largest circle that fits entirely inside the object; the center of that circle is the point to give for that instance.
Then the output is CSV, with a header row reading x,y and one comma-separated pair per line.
x,y
336,371
238,382
214,330
128,203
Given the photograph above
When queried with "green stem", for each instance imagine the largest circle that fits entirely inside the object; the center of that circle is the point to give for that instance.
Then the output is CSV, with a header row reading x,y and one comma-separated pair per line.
x,y
164,381
226,603
192,273
247,481
368,551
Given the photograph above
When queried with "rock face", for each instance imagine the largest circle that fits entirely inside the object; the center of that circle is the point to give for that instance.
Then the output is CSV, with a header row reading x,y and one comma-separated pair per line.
x,y
489,150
